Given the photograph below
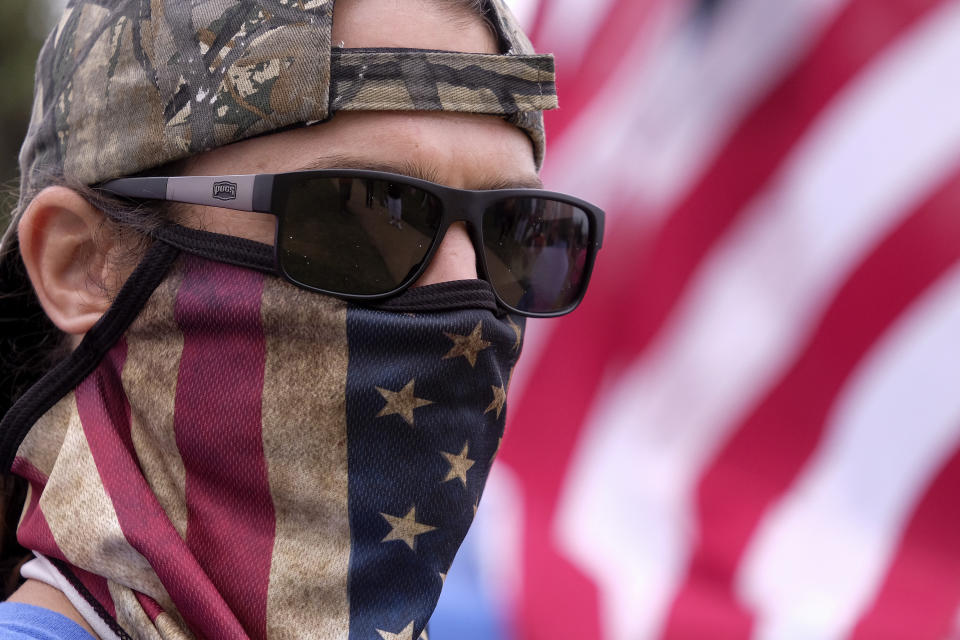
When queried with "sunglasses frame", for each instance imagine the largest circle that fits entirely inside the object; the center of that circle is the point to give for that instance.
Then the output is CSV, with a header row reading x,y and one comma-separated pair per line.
x,y
261,193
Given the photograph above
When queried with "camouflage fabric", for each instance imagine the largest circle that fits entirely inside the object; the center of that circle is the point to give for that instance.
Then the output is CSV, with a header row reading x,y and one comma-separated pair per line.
x,y
520,87
126,85
440,81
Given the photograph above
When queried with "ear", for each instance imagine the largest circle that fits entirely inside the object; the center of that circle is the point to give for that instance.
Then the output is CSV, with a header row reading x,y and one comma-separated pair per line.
x,y
66,262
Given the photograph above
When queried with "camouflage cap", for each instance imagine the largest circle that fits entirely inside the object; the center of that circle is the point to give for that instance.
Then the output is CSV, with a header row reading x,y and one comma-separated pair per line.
x,y
126,85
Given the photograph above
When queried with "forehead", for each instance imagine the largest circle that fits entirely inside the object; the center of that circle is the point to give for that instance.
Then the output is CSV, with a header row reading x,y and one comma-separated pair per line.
x,y
418,24
460,150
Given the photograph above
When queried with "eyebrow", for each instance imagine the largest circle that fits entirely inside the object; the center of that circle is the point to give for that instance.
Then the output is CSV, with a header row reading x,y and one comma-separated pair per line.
x,y
418,171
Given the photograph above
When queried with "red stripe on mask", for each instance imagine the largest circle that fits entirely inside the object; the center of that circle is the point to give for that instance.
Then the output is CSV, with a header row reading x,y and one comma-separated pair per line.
x,y
217,417
105,415
34,533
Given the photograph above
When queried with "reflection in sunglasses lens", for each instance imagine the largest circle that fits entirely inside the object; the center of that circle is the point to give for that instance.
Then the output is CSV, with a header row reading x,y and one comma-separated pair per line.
x,y
536,252
360,236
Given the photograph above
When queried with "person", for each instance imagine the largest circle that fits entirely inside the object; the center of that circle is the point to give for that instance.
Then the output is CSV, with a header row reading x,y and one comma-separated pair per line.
x,y
263,420
393,206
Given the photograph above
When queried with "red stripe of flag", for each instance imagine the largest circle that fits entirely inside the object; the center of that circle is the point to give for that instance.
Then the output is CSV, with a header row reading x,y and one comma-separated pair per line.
x,y
105,415
757,150
217,416
740,485
535,30
631,298
603,56
920,595
34,533
150,606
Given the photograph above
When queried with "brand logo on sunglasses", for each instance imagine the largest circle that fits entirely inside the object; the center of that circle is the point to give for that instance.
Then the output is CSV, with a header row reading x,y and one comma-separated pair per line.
x,y
225,190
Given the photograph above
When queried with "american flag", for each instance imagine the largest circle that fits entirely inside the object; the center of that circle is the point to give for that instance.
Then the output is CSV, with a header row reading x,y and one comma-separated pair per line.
x,y
751,429
255,461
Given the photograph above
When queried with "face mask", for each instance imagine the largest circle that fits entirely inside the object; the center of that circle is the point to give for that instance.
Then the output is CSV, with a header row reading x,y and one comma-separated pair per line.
x,y
230,456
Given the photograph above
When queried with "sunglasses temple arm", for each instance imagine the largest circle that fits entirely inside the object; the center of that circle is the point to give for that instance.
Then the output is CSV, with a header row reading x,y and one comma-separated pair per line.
x,y
240,193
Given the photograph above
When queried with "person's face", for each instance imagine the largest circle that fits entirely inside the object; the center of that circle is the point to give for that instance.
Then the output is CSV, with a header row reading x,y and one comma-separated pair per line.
x,y
459,150
73,270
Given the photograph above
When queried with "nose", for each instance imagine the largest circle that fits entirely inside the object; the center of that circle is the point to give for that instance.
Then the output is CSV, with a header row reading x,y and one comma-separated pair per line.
x,y
455,258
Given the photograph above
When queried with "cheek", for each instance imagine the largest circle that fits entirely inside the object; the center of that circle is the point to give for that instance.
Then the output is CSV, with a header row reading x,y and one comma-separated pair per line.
x,y
258,227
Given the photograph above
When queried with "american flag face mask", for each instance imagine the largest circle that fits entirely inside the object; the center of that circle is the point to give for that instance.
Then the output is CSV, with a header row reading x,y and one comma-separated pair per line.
x,y
229,456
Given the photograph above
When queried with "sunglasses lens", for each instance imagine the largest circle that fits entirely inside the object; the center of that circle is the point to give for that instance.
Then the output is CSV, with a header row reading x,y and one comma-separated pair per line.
x,y
536,252
356,236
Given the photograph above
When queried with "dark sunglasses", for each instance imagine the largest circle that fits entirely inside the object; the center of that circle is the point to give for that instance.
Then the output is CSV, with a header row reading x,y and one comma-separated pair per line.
x,y
368,235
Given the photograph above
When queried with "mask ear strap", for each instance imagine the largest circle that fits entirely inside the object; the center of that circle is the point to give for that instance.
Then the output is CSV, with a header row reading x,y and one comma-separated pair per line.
x,y
69,373
239,252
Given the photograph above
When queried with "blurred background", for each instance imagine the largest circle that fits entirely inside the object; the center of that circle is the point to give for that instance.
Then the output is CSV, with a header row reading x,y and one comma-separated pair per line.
x,y
23,27
751,428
